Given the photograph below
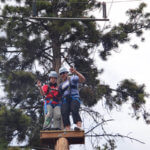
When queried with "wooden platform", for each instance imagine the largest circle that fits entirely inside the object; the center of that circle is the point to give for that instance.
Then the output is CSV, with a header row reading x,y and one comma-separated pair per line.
x,y
49,137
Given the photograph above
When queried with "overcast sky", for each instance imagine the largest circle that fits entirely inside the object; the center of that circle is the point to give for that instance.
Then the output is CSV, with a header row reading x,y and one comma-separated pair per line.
x,y
131,64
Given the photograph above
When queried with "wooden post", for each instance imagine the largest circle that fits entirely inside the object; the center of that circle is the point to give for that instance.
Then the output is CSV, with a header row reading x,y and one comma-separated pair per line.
x,y
62,144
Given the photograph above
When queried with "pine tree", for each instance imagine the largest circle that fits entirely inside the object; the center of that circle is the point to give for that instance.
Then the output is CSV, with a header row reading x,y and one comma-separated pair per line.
x,y
54,43
13,122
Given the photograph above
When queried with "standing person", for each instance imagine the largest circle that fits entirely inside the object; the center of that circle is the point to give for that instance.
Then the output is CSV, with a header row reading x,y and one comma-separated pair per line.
x,y
51,103
70,97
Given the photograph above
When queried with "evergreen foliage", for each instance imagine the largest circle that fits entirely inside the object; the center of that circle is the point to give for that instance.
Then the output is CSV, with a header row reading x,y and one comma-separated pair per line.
x,y
12,123
24,41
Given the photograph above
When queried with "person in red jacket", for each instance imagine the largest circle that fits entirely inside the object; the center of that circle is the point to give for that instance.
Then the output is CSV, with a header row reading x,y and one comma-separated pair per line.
x,y
51,103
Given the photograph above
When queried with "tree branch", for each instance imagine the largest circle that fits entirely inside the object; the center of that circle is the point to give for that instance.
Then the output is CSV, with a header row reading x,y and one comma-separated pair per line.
x,y
98,125
45,56
115,135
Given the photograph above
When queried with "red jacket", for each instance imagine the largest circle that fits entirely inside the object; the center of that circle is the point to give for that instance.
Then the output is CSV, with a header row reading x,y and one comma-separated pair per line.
x,y
51,95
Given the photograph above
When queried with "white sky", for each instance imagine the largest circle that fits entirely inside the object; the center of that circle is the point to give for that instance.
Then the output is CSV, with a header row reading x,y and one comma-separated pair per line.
x,y
131,64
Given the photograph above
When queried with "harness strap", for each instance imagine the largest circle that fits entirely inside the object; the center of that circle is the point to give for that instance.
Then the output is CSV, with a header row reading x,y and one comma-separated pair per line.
x,y
45,107
64,99
50,103
49,90
76,98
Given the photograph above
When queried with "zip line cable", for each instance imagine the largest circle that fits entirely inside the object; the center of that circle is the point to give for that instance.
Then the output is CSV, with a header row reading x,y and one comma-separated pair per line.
x,y
56,18
119,1
124,1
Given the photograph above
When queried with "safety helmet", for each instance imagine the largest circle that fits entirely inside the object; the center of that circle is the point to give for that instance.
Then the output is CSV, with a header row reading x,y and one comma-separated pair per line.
x,y
53,74
63,69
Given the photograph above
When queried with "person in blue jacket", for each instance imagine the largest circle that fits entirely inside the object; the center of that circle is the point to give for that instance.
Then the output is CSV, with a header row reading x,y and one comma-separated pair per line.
x,y
70,97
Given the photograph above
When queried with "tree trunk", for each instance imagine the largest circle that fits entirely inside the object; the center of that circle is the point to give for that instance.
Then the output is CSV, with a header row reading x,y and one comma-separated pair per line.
x,y
56,46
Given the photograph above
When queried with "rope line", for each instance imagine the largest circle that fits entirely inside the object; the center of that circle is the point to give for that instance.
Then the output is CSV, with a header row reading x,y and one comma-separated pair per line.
x,y
119,1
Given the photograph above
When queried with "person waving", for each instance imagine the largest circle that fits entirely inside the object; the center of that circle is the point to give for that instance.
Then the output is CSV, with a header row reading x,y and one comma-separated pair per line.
x,y
51,103
70,97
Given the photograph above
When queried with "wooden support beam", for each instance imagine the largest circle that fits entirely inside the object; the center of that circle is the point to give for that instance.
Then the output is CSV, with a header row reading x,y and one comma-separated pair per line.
x,y
68,19
53,137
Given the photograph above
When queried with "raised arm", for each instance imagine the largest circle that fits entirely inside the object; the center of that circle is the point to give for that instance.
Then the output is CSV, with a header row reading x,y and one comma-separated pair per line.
x,y
81,77
40,87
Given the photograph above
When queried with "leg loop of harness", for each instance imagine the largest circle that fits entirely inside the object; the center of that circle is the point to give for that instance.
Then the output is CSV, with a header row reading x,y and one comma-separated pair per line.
x,y
64,100
45,107
76,98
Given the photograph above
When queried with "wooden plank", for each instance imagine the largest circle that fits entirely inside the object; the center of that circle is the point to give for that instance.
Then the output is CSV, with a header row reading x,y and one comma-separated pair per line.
x,y
73,137
61,133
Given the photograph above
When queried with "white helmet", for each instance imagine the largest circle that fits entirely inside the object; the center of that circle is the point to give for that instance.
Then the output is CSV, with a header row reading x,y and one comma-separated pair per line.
x,y
63,69
53,74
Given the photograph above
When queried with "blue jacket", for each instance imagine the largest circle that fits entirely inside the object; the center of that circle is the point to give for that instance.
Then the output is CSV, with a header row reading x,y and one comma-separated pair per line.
x,y
70,87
